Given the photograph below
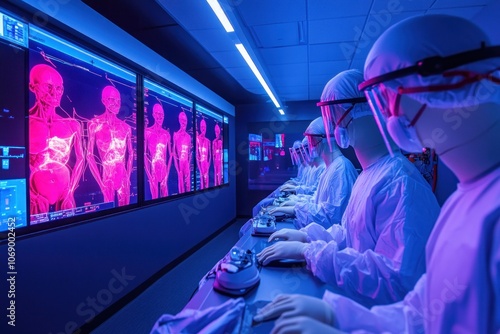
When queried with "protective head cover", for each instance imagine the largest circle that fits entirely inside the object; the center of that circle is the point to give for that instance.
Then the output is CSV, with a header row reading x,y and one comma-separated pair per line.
x,y
449,70
316,134
341,102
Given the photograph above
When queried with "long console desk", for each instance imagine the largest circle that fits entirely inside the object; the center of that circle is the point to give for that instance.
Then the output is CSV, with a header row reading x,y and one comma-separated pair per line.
x,y
273,280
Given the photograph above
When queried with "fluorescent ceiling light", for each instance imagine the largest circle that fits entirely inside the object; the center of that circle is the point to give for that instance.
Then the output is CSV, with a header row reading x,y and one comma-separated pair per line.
x,y
281,111
221,15
255,71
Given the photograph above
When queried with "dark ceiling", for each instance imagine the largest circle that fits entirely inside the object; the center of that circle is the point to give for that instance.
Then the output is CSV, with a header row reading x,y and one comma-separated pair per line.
x,y
149,23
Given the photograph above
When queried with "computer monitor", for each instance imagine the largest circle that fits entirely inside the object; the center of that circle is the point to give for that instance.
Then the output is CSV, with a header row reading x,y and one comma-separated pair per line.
x,y
82,131
168,147
209,148
13,197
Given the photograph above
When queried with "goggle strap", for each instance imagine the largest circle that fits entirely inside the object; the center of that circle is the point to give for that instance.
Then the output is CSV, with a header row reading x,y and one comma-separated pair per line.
x,y
345,114
417,116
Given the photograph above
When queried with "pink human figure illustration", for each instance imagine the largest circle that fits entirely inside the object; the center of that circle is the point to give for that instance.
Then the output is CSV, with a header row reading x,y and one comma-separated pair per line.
x,y
217,152
158,154
52,140
113,139
203,155
182,143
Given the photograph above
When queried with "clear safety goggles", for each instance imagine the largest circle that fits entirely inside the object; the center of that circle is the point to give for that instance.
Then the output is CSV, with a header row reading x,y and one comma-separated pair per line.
x,y
337,113
385,102
294,156
304,153
314,140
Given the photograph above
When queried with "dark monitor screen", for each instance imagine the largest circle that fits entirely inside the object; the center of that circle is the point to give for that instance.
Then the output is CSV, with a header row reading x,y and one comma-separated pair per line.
x,y
13,30
82,131
13,207
209,148
168,147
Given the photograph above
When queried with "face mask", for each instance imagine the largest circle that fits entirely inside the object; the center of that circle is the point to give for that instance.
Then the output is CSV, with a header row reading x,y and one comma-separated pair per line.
x,y
404,134
314,153
341,137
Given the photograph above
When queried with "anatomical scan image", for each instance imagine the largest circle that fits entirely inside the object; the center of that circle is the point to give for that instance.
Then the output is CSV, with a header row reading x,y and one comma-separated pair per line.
x,y
209,149
168,141
82,136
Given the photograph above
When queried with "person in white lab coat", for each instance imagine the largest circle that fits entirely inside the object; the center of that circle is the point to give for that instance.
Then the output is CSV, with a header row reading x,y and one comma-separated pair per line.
x,y
433,80
327,205
306,186
297,160
377,254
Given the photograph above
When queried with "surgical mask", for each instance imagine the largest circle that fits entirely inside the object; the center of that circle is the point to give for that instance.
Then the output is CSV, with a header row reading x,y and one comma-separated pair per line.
x,y
404,134
342,136
314,153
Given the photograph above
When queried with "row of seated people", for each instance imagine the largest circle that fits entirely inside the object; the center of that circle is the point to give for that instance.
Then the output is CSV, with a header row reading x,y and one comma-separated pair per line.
x,y
403,264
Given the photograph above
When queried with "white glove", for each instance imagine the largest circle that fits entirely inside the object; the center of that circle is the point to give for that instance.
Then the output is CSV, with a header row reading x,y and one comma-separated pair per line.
x,y
282,250
289,210
288,234
304,325
287,187
289,203
295,305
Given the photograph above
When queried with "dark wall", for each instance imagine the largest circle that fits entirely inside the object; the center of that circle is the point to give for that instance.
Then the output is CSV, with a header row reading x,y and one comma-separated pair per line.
x,y
265,118
66,277
271,121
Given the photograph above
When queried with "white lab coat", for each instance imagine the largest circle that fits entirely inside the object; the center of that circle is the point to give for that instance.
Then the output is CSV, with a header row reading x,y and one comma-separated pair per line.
x,y
378,253
461,291
311,181
331,197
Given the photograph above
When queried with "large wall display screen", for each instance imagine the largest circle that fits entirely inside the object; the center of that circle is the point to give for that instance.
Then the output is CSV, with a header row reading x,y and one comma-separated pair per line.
x,y
168,147
13,206
209,148
82,131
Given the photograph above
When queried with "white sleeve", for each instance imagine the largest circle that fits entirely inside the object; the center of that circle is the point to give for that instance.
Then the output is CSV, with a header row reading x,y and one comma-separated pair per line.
x,y
405,316
386,271
329,205
360,275
305,189
317,232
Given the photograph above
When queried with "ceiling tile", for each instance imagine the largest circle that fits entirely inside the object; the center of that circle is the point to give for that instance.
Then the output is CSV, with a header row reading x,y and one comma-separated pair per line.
x,y
459,3
397,6
465,12
258,12
284,55
318,10
358,64
321,79
289,79
376,24
288,70
331,51
276,35
315,92
328,67
336,30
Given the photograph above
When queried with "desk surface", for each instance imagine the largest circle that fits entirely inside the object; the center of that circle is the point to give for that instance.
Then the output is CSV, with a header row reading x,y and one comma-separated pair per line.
x,y
273,280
